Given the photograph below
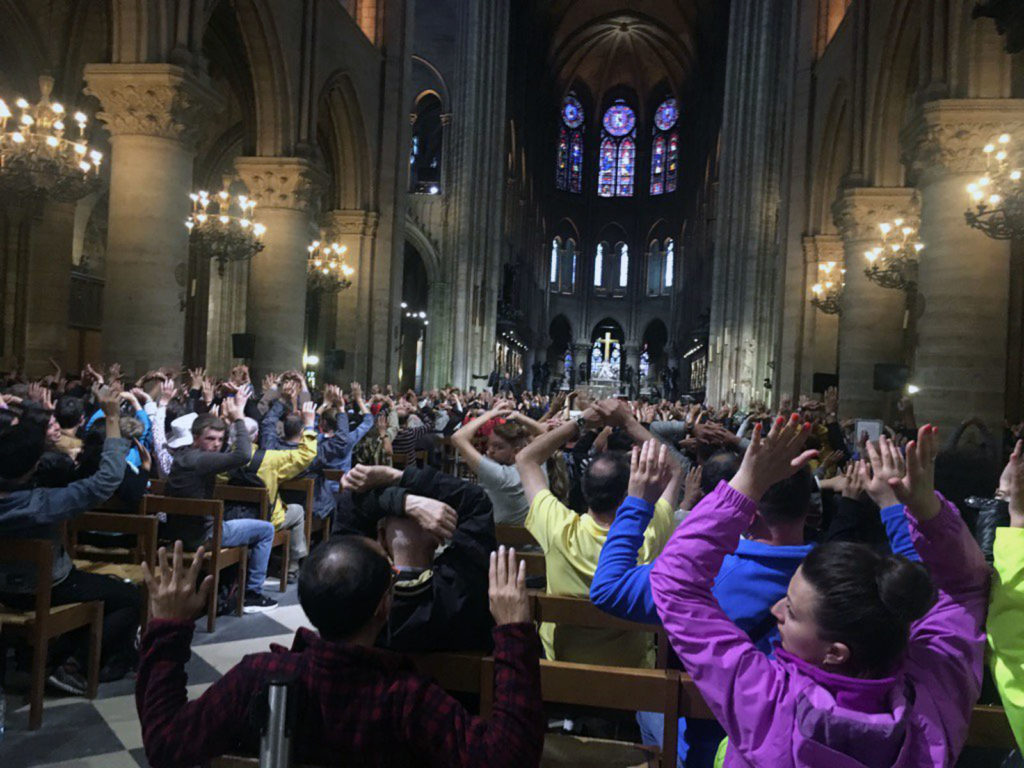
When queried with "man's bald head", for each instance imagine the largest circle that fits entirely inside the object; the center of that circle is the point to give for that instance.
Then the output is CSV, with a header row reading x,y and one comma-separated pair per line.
x,y
341,584
605,482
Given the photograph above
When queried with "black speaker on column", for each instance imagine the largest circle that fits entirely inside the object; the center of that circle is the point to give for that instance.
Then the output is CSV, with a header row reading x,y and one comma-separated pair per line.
x,y
243,345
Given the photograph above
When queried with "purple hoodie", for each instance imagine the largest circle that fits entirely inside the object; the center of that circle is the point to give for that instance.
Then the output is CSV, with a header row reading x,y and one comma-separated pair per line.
x,y
786,713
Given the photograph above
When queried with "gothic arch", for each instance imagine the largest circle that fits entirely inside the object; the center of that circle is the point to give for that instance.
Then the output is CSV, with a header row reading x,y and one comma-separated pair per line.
x,y
894,87
415,235
22,51
430,79
342,135
832,158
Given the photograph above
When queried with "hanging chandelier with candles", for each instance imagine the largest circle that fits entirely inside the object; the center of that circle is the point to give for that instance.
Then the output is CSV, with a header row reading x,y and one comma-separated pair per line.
x,y
222,229
893,264
326,269
829,288
41,154
997,197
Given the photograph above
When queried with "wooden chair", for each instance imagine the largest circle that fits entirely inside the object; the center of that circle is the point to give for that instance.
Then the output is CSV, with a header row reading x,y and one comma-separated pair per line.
x,y
302,490
157,486
47,621
402,460
333,475
514,536
218,557
121,563
535,564
990,728
258,497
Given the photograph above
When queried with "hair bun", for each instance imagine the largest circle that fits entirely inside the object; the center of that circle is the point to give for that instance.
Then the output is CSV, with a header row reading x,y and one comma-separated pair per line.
x,y
905,588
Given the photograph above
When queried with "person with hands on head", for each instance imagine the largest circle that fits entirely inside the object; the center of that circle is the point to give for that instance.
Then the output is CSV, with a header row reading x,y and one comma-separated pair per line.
x,y
1006,603
354,699
873,669
439,597
29,512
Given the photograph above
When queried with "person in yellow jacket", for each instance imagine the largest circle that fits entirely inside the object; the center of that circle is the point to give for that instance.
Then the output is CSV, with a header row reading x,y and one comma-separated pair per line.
x,y
1006,601
271,467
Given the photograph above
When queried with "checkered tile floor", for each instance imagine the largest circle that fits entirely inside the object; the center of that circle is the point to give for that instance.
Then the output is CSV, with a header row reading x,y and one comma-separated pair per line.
x,y
104,732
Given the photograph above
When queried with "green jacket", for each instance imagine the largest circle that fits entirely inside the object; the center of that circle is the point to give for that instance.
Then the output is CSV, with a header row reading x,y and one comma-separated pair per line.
x,y
1006,625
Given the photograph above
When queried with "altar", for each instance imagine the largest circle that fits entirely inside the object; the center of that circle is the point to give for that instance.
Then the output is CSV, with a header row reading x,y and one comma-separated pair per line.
x,y
605,368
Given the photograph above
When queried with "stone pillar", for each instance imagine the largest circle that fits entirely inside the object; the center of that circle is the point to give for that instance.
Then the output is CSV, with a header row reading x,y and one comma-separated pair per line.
x,y
48,288
960,364
153,112
284,189
871,322
359,317
820,348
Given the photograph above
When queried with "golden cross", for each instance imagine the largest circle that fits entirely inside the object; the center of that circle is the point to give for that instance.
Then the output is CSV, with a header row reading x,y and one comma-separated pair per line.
x,y
608,341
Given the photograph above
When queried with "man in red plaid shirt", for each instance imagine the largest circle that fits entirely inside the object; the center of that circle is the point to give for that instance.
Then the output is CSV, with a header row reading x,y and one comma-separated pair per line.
x,y
359,706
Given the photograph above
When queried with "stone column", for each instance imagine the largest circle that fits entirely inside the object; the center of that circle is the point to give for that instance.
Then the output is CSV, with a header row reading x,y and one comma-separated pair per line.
x,y
820,348
963,284
48,288
358,315
871,322
153,113
284,189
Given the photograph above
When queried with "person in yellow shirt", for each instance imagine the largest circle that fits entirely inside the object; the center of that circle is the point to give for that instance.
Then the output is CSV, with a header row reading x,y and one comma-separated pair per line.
x,y
271,467
572,542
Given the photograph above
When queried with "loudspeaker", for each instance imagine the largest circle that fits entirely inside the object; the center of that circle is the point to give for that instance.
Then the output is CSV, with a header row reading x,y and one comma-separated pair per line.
x,y
243,345
822,381
334,360
890,377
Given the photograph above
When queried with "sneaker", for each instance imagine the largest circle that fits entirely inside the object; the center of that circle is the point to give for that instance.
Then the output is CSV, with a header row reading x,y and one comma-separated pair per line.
x,y
293,577
68,678
257,603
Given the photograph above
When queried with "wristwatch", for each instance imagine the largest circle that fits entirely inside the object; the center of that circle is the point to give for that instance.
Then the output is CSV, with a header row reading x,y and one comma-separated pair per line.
x,y
581,424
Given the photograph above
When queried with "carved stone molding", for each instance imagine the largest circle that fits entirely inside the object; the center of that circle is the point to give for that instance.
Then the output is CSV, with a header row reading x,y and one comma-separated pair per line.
x,y
292,183
822,248
350,222
858,211
151,100
947,136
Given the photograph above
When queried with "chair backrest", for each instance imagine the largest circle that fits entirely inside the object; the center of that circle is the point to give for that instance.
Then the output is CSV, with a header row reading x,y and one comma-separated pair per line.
x,y
157,486
143,527
306,486
245,494
39,552
334,475
402,460
514,535
990,728
172,505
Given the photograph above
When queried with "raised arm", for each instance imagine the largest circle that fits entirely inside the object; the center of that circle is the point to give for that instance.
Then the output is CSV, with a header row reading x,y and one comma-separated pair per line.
x,y
463,438
532,457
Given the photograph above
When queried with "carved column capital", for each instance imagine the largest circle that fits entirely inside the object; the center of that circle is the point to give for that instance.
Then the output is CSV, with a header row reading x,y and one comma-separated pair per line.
x,y
160,100
291,183
337,223
946,136
858,211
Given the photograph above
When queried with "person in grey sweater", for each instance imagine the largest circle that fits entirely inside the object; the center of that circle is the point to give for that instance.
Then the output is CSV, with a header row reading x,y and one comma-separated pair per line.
x,y
30,512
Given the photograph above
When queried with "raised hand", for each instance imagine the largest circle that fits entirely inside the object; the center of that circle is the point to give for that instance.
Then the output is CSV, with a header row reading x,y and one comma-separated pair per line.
x,y
692,491
510,603
197,376
207,392
145,459
1014,477
166,393
172,591
884,463
308,413
855,480
269,382
769,460
917,488
365,477
650,471
435,517
109,400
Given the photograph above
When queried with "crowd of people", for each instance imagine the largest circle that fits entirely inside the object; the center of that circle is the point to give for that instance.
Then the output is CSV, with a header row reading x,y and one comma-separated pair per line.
x,y
835,598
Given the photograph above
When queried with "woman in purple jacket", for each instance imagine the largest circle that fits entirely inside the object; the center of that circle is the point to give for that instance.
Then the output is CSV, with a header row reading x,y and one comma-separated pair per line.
x,y
873,669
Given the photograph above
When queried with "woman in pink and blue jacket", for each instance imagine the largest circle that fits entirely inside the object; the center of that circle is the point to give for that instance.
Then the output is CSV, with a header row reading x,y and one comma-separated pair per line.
x,y
874,669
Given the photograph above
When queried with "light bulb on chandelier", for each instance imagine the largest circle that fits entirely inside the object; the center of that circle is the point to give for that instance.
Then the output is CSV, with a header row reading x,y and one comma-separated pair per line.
x,y
893,263
996,199
326,269
828,291
222,228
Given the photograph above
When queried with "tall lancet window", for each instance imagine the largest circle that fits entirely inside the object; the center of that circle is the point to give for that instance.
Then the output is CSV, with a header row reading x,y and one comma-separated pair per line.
x,y
665,148
617,173
569,160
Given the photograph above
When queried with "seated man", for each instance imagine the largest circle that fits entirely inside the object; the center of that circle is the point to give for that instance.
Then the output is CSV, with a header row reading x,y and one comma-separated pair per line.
x,y
29,512
193,475
357,704
572,543
439,599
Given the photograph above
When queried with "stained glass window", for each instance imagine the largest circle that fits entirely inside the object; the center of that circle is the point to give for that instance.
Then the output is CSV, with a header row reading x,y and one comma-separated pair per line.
x,y
670,261
554,260
569,158
599,266
617,172
623,265
665,148
645,362
653,269
427,144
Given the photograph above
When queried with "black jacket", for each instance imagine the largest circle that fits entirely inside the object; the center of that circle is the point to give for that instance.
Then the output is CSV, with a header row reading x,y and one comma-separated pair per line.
x,y
444,608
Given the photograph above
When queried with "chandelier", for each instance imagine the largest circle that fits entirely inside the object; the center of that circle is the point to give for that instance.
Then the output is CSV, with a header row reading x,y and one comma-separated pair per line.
x,y
829,288
997,198
893,264
326,270
38,154
221,228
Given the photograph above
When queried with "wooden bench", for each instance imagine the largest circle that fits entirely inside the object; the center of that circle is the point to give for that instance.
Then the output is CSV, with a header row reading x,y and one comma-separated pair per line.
x,y
47,621
304,488
217,557
258,497
514,536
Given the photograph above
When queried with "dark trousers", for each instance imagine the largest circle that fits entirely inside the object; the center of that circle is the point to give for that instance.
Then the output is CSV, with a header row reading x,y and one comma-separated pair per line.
x,y
121,605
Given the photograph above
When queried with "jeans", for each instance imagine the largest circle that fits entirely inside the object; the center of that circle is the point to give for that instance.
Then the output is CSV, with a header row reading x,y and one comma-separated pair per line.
x,y
698,739
121,605
259,536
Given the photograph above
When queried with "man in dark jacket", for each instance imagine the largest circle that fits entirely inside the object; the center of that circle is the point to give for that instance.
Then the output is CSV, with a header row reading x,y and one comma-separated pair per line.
x,y
440,599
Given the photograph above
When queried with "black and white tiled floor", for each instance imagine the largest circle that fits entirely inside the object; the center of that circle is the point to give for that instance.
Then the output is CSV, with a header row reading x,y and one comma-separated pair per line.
x,y
104,732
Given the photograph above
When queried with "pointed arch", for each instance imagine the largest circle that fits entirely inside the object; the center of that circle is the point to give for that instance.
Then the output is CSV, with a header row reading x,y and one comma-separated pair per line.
x,y
833,159
341,133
